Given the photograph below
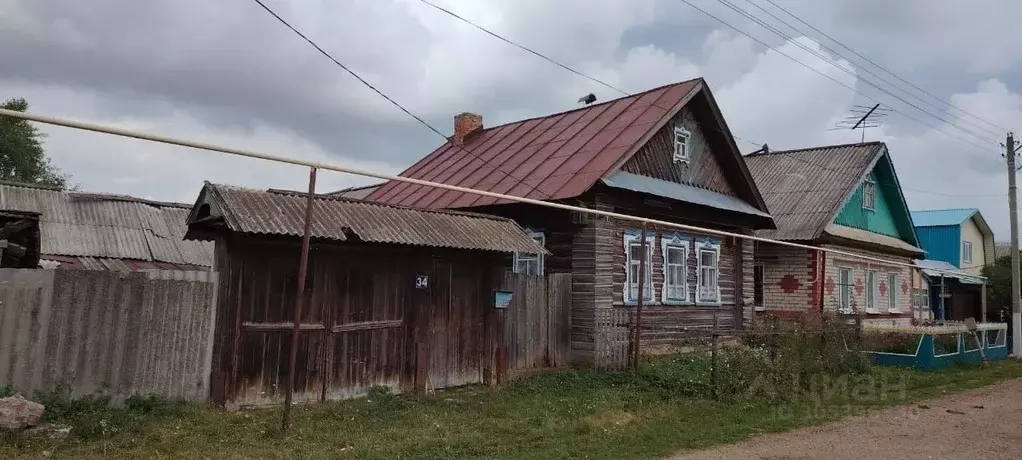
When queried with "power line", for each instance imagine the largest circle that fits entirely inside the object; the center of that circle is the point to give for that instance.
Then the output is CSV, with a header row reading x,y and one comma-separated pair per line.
x,y
389,177
861,56
558,63
863,68
849,72
612,87
388,98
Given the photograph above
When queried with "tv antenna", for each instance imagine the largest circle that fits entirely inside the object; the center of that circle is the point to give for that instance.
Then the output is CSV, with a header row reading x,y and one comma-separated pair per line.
x,y
862,117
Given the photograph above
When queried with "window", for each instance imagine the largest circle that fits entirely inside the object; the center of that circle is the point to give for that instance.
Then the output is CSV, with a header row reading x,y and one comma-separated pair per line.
x,y
708,256
675,252
757,286
871,291
924,298
530,264
845,290
892,289
869,195
966,252
681,136
633,254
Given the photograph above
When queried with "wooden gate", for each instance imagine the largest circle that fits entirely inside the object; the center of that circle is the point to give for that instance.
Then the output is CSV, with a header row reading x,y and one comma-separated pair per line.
x,y
537,329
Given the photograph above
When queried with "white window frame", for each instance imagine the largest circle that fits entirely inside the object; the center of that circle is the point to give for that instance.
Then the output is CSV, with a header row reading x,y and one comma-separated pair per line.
x,y
869,188
676,242
682,153
635,239
540,238
872,291
966,252
701,247
892,299
844,302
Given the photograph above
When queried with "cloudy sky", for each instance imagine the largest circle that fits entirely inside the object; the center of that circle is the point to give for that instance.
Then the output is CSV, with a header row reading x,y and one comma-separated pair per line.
x,y
227,72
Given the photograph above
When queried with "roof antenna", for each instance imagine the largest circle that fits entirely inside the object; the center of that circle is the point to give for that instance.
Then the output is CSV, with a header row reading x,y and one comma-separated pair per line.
x,y
587,99
862,117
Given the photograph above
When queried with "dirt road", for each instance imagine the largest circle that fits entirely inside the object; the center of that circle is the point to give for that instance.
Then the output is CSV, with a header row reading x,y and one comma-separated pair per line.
x,y
926,430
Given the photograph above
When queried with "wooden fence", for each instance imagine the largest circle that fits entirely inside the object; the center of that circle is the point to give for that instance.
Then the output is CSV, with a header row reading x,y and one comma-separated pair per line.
x,y
108,332
613,338
537,327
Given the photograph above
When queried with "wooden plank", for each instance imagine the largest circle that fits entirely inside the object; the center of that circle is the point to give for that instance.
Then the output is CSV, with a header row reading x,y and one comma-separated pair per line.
x,y
367,325
280,327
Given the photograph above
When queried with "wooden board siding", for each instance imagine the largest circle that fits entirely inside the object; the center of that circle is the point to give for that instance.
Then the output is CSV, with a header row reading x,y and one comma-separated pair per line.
x,y
656,158
363,323
592,281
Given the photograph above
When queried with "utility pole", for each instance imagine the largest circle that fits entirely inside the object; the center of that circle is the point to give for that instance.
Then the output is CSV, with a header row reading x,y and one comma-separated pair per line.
x,y
1016,294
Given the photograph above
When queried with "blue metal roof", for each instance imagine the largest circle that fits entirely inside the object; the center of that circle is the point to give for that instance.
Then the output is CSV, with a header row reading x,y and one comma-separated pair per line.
x,y
937,217
934,269
680,192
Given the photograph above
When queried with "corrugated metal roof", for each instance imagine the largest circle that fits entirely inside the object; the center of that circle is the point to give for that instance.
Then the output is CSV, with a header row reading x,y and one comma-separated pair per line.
x,y
547,158
1002,249
938,217
680,192
932,269
107,226
283,213
805,188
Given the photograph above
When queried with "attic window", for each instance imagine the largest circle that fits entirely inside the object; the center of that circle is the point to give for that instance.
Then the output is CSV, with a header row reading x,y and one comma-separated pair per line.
x,y
681,136
869,195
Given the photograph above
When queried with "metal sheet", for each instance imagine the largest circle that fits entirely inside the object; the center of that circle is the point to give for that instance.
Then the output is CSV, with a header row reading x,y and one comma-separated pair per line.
x,y
931,269
281,213
940,217
552,157
680,192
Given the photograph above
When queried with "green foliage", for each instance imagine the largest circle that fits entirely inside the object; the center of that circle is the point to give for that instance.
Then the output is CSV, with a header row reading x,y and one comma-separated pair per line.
x,y
945,344
891,342
22,158
998,277
6,390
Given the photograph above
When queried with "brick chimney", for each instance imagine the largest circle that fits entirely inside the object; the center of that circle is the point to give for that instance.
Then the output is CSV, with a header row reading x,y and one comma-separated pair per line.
x,y
465,125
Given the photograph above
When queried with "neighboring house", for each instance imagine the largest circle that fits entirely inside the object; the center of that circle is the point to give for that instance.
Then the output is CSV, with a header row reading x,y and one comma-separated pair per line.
x,y
665,153
843,197
396,297
105,232
958,240
1002,249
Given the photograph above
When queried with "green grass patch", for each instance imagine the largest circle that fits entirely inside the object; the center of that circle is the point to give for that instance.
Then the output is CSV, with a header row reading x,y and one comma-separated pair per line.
x,y
570,414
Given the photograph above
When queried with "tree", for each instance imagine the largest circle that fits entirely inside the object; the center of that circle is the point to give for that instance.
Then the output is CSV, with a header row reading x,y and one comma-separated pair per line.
x,y
22,158
998,277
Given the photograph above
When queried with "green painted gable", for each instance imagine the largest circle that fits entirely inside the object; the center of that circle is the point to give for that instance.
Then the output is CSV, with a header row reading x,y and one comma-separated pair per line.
x,y
890,216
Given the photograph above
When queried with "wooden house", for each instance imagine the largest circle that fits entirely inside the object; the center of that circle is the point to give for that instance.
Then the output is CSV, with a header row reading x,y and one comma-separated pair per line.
x,y
666,154
395,296
843,197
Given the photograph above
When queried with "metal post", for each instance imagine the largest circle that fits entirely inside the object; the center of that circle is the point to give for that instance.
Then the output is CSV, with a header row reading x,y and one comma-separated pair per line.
x,y
1016,308
299,300
638,302
714,379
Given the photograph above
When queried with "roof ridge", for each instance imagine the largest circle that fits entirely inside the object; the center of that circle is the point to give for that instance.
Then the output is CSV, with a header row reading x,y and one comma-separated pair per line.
x,y
821,147
609,101
945,209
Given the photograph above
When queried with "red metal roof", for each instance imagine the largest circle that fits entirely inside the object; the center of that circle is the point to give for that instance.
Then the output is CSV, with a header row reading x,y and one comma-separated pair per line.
x,y
548,158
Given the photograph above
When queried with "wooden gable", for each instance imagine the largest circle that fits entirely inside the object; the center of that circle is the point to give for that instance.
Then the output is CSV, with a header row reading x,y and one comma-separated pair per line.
x,y
656,158
889,216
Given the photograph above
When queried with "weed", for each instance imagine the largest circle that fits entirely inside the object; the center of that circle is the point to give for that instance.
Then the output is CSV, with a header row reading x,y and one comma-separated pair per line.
x,y
6,390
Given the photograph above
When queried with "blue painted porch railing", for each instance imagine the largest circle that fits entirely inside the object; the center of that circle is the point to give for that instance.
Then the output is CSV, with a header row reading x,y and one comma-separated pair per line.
x,y
994,344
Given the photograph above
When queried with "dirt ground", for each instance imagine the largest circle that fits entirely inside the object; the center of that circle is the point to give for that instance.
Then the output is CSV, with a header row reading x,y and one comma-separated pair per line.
x,y
985,424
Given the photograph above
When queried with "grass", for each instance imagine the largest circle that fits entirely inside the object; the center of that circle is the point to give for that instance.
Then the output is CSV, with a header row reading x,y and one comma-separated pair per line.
x,y
571,414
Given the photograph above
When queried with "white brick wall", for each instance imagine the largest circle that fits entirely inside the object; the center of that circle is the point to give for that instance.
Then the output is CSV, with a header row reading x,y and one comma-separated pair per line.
x,y
904,287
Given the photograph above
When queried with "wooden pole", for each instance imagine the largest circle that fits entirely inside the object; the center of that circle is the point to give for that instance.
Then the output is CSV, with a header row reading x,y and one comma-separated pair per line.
x,y
299,300
638,303
714,378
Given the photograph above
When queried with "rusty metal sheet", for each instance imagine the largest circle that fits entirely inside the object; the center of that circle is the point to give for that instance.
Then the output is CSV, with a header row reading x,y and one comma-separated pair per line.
x,y
804,188
282,213
572,149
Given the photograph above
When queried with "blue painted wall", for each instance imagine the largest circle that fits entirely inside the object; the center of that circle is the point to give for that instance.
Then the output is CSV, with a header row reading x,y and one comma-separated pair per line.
x,y
942,243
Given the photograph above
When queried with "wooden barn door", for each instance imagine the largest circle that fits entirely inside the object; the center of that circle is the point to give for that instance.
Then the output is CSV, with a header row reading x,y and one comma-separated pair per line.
x,y
456,336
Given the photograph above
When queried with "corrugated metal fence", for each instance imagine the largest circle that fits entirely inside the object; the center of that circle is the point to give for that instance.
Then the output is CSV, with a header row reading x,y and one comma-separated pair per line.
x,y
117,333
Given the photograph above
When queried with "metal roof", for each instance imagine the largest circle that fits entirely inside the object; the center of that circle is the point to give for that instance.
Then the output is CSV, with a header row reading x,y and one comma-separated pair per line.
x,y
932,268
939,217
107,226
283,213
547,158
804,189
680,192
355,193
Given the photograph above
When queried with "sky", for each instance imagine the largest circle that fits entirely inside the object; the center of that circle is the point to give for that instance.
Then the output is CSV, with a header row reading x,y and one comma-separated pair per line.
x,y
228,73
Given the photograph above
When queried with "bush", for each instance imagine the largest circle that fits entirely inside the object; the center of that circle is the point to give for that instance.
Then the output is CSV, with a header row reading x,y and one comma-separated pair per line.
x,y
891,342
6,390
945,344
